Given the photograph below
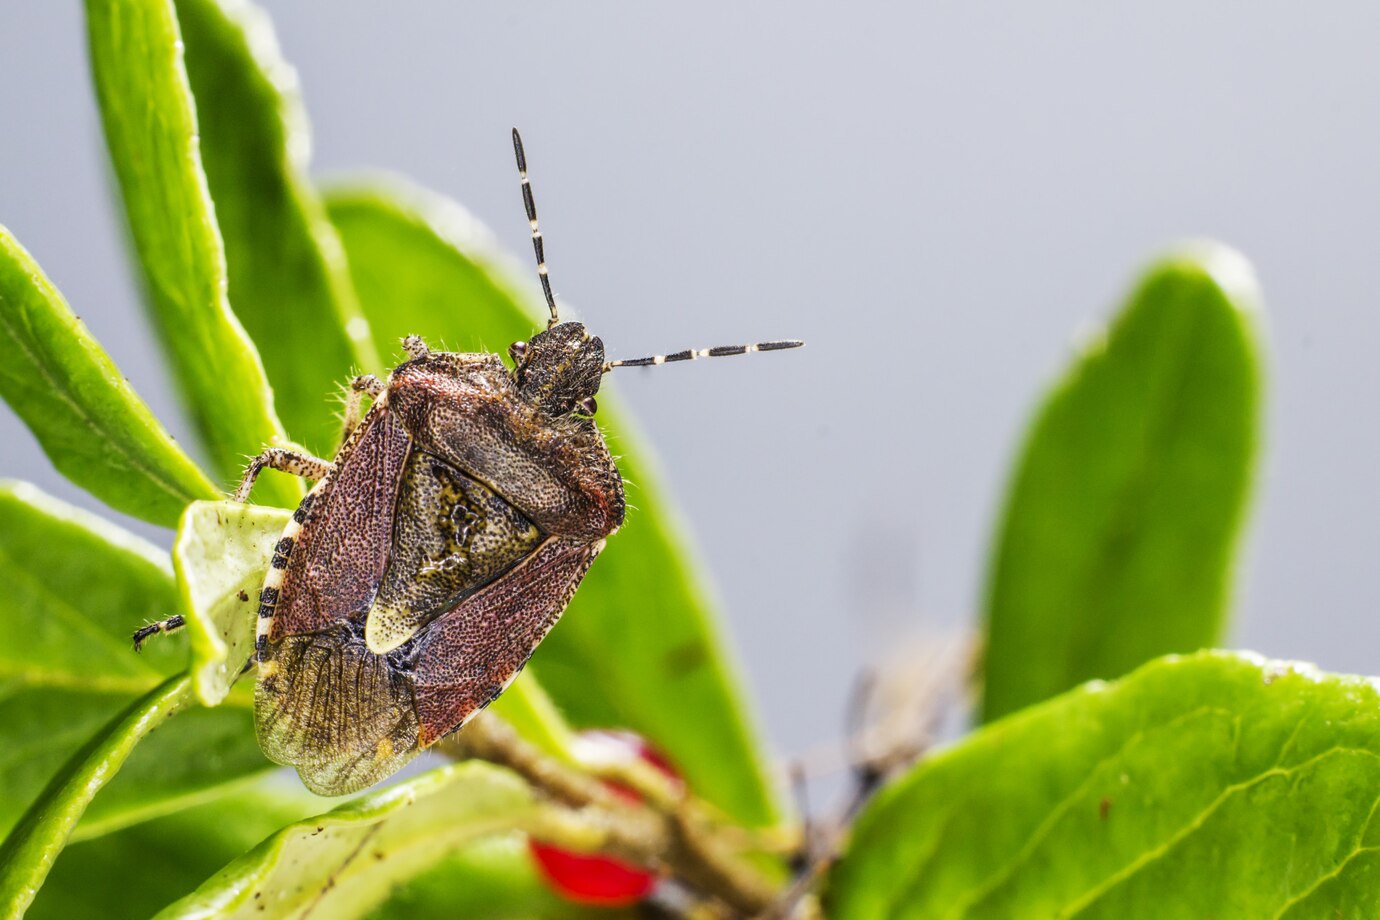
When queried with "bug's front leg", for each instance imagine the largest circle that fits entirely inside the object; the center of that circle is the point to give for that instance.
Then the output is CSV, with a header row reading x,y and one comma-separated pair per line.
x,y
288,461
171,624
364,383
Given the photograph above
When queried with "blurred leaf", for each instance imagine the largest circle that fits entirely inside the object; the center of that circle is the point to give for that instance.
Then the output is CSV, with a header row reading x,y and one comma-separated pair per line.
x,y
1117,541
534,715
135,872
288,281
1210,786
90,422
345,862
222,553
151,132
35,842
640,639
494,879
76,588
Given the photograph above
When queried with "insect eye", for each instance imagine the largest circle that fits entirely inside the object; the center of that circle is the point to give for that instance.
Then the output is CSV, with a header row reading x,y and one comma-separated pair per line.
x,y
517,351
588,406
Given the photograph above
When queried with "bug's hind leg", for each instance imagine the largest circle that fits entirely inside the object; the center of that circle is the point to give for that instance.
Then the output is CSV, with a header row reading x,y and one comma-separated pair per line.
x,y
171,624
365,383
288,461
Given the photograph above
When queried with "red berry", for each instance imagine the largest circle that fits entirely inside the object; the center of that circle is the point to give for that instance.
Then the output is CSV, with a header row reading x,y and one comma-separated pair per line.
x,y
601,880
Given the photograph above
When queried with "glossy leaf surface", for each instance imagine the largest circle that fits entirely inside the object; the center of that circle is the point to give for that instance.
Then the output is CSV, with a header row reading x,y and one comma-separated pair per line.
x,y
1120,530
35,841
1210,786
77,588
344,862
151,133
89,421
288,282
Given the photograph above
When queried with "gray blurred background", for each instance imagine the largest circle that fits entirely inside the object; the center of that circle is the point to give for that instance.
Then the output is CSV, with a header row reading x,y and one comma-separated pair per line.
x,y
937,200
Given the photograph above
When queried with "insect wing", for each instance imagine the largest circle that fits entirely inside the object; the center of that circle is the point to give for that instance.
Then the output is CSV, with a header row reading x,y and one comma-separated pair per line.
x,y
470,655
335,563
342,715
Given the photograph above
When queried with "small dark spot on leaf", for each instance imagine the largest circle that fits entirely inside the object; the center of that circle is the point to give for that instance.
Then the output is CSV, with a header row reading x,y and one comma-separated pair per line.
x,y
244,598
379,855
1104,808
685,658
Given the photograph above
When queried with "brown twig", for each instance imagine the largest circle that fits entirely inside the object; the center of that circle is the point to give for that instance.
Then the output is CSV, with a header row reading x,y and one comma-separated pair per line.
x,y
895,713
668,833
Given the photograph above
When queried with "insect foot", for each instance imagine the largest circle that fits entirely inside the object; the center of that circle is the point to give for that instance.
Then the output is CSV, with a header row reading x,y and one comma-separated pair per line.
x,y
437,548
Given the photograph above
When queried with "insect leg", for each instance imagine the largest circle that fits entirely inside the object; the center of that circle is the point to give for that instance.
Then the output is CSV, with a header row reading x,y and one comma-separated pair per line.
x,y
289,461
171,624
415,347
365,383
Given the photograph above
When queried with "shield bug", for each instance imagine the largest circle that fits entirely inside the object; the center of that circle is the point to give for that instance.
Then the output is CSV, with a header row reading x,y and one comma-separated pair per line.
x,y
437,548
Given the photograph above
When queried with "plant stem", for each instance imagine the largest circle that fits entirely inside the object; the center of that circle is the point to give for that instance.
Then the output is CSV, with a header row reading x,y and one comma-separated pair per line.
x,y
671,833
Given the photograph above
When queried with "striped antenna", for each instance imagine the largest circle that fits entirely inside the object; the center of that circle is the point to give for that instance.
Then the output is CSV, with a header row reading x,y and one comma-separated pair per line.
x,y
530,203
690,354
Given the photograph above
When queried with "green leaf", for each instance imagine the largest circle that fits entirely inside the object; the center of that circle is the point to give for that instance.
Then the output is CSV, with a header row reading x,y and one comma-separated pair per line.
x,y
151,132
1210,786
289,284
135,872
494,879
1121,525
90,422
76,588
422,265
35,842
221,554
345,862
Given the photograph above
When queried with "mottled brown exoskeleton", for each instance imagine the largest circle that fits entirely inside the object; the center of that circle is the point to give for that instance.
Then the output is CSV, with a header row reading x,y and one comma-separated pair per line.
x,y
437,549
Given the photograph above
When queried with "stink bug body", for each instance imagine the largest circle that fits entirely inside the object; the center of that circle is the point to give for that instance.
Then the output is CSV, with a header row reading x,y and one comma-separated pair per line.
x,y
437,549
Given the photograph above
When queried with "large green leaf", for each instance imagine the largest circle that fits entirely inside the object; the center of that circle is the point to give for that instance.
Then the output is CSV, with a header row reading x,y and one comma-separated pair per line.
x,y
90,422
345,862
133,873
76,587
151,132
35,842
288,281
1119,533
493,879
1210,786
641,639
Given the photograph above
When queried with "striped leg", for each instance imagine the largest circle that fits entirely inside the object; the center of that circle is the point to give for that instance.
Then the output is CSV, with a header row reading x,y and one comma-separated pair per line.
x,y
288,461
365,383
171,624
